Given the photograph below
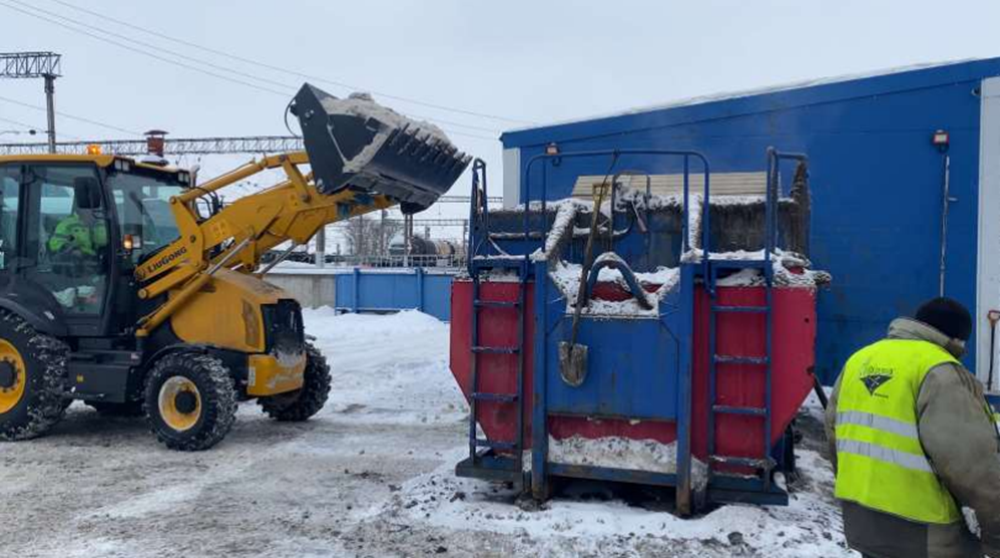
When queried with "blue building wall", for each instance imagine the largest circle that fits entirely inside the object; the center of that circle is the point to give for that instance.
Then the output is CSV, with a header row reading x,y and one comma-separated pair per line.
x,y
876,181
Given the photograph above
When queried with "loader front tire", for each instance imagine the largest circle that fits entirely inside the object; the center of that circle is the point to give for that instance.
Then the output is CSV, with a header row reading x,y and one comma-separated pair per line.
x,y
190,401
32,379
299,405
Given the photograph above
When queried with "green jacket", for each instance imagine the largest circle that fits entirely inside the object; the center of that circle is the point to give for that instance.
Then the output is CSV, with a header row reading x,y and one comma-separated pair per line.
x,y
73,233
963,448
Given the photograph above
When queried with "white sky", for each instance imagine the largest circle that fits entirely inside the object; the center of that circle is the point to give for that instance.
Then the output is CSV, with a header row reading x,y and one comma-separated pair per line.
x,y
528,61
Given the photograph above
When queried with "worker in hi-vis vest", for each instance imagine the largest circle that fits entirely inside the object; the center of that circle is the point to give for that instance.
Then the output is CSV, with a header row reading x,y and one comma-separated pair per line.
x,y
917,449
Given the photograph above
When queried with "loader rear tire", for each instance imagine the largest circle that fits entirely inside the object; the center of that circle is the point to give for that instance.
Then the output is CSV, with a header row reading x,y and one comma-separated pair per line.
x,y
299,405
190,401
32,379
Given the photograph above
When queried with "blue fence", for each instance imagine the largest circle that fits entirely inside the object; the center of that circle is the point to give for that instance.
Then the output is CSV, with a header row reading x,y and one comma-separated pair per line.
x,y
385,290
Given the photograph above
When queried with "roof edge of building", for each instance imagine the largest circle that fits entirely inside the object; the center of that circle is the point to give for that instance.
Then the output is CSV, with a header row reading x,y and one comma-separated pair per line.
x,y
786,95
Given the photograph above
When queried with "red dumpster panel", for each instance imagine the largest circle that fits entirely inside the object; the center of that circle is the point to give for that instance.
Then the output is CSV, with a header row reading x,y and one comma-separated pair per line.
x,y
738,334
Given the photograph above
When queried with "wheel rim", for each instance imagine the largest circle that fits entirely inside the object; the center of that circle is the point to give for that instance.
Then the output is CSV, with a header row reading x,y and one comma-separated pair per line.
x,y
179,403
14,376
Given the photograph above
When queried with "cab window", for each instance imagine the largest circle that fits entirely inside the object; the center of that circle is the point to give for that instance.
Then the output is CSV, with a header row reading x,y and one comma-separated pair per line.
x,y
10,190
67,235
142,203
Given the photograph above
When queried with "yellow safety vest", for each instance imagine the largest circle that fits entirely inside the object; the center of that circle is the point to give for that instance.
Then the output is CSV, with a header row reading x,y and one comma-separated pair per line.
x,y
880,462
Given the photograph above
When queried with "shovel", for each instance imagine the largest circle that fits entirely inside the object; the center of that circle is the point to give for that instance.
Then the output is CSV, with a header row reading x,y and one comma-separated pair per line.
x,y
572,355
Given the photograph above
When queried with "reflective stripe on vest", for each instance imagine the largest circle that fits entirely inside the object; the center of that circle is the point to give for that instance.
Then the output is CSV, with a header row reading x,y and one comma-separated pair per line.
x,y
880,462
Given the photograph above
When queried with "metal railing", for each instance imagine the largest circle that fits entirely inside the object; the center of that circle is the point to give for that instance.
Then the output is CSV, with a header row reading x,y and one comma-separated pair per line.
x,y
333,261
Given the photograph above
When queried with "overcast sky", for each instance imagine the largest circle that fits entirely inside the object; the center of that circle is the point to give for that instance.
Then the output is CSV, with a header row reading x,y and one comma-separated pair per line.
x,y
511,62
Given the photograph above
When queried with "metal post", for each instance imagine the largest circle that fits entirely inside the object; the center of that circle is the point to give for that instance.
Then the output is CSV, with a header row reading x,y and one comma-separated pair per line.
x,y
383,242
50,106
947,199
420,288
361,248
321,247
407,238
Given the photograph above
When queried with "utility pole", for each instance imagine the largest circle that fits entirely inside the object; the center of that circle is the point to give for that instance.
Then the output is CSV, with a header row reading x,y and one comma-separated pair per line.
x,y
45,65
50,109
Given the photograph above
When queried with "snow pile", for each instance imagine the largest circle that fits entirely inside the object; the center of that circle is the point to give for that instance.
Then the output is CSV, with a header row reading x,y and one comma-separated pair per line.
x,y
567,210
810,527
783,262
624,453
404,354
566,276
363,106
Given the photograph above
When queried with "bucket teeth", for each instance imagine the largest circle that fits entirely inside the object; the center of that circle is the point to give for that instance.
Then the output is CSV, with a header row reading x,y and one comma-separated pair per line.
x,y
355,143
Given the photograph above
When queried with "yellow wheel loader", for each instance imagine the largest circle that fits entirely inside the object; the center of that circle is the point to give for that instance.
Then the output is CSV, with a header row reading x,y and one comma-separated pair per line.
x,y
125,285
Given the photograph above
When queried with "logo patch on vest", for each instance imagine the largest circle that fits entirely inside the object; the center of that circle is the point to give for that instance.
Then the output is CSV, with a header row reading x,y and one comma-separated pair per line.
x,y
874,378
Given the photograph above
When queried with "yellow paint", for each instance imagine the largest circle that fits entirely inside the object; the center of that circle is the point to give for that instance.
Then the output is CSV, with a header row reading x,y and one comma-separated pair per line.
x,y
228,313
99,160
167,403
270,377
291,210
10,397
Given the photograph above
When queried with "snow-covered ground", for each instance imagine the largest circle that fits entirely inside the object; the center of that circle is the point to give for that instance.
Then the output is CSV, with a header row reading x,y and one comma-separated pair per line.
x,y
372,475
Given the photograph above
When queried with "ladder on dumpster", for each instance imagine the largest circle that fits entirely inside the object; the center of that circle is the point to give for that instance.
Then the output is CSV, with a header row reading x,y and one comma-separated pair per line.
x,y
500,460
759,362
765,464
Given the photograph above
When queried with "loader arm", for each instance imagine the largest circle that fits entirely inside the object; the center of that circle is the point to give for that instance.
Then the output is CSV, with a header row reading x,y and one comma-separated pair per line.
x,y
362,158
292,210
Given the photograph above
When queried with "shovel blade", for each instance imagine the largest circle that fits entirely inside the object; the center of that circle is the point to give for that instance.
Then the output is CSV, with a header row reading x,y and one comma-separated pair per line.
x,y
573,363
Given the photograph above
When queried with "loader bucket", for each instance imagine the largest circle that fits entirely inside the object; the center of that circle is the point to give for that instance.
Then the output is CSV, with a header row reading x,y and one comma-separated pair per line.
x,y
358,144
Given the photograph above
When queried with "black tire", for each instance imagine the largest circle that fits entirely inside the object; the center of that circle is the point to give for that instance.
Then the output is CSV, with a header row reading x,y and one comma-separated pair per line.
x,y
43,401
127,410
216,401
299,405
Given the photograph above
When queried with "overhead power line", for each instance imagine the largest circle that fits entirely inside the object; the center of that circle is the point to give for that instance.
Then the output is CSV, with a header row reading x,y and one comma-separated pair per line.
x,y
93,32
105,17
82,29
172,146
72,117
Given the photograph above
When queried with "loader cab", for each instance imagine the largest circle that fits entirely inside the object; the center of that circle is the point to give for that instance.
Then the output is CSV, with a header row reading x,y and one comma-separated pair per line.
x,y
72,229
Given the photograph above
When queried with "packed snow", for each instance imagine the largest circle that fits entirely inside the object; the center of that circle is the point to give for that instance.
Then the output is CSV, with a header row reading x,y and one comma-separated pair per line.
x,y
623,453
364,106
566,277
371,475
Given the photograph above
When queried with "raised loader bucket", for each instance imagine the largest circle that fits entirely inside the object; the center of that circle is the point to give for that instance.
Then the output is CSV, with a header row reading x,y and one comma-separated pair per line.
x,y
356,143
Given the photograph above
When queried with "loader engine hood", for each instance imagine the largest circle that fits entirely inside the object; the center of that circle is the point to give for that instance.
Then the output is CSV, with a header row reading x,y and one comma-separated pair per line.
x,y
358,144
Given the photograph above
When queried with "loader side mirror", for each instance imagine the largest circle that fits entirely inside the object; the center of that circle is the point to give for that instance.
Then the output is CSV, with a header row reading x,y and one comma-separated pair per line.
x,y
87,192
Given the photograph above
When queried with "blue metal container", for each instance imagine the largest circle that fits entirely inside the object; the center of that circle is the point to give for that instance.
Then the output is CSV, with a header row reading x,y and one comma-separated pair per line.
x,y
878,217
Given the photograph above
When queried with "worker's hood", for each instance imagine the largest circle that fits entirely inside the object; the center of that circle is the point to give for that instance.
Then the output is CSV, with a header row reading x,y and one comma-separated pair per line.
x,y
908,328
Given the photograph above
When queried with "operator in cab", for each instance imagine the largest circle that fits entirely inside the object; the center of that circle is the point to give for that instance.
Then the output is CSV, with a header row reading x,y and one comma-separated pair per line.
x,y
917,451
75,247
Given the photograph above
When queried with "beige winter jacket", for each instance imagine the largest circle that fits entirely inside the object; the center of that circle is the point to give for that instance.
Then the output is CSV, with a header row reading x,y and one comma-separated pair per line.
x,y
964,449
